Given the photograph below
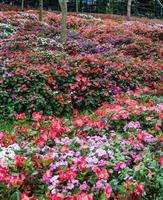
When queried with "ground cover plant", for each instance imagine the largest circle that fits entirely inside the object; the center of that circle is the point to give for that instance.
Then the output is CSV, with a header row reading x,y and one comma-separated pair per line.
x,y
81,120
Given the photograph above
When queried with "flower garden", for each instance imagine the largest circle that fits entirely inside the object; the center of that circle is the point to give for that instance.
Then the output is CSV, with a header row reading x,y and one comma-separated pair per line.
x,y
86,115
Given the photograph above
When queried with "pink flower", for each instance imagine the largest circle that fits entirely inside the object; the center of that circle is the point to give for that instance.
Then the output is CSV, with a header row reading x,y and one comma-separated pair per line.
x,y
83,187
24,196
161,161
150,174
20,116
13,180
137,168
1,135
108,191
99,184
124,114
37,115
101,174
79,122
47,176
119,166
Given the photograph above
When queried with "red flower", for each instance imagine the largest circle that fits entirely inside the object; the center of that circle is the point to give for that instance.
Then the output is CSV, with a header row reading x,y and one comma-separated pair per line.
x,y
50,79
58,196
62,176
3,173
33,198
84,196
75,112
140,188
56,128
119,196
82,164
42,140
70,174
70,198
19,160
157,126
161,116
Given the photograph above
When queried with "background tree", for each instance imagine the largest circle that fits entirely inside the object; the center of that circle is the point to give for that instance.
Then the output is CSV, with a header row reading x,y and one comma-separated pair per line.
x,y
22,5
41,10
63,5
129,8
77,5
160,3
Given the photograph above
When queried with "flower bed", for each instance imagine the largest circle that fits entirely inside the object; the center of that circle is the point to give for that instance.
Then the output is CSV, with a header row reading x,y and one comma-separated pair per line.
x,y
40,74
113,154
104,84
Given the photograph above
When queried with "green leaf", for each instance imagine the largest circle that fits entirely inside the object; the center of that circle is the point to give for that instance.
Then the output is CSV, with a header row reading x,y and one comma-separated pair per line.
x,y
103,197
15,195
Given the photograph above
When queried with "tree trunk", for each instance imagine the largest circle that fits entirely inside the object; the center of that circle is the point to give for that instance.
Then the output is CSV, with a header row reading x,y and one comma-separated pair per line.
x,y
41,10
129,8
77,6
22,5
63,5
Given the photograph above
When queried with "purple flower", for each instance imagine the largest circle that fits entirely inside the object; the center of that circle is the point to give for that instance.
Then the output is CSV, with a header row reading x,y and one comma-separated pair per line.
x,y
13,96
135,125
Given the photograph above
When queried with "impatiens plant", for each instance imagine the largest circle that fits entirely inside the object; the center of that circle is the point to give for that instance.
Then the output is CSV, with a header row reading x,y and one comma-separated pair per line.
x,y
86,114
50,158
